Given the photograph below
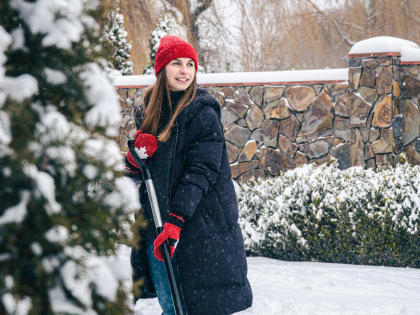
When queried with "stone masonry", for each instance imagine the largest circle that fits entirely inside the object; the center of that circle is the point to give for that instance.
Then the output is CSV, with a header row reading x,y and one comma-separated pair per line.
x,y
367,121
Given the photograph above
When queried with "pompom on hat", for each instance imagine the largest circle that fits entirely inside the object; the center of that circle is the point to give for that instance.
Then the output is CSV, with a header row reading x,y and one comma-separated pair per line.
x,y
172,47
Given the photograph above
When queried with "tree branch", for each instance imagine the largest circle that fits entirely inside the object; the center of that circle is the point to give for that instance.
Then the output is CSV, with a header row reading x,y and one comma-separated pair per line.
x,y
335,23
202,6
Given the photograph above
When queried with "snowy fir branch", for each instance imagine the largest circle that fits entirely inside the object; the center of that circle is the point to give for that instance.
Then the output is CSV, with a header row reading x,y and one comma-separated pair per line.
x,y
65,206
115,36
165,24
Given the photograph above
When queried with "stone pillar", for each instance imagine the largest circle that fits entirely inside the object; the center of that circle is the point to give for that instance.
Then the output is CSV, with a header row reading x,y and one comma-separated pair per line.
x,y
374,92
408,127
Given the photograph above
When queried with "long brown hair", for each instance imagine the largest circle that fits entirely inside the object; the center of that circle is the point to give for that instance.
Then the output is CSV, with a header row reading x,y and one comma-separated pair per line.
x,y
153,99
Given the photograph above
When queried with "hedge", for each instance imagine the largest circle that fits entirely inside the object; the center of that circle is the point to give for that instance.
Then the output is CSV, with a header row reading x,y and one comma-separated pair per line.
x,y
325,214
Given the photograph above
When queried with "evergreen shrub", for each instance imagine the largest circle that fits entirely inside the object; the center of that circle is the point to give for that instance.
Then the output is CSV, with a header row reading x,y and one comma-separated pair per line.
x,y
325,214
65,206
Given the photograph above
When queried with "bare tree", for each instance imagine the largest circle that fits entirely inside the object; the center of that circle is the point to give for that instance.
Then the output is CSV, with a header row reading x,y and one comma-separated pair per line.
x,y
301,34
272,34
263,25
190,11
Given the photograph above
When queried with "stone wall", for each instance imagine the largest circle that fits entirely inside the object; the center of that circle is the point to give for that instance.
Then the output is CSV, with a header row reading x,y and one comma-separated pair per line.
x,y
269,128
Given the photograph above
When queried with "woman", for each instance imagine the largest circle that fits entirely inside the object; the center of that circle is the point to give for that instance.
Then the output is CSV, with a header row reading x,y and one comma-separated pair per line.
x,y
192,178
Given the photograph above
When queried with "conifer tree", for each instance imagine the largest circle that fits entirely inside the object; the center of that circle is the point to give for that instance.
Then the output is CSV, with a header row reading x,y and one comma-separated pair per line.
x,y
115,38
163,28
64,205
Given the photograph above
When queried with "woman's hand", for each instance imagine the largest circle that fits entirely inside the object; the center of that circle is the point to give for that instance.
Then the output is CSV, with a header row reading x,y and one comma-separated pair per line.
x,y
171,232
145,145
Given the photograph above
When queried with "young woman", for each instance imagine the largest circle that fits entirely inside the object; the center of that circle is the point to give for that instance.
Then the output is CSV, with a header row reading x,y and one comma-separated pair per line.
x,y
192,178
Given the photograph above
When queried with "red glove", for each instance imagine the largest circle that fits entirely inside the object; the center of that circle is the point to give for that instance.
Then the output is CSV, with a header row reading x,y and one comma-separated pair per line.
x,y
145,144
171,232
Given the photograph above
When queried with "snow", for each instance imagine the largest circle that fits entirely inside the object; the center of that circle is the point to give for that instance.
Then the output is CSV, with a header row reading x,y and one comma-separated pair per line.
x,y
18,37
53,126
45,186
36,249
79,281
90,171
17,213
20,87
21,307
101,275
5,41
247,77
61,304
106,111
126,194
106,151
5,135
142,80
55,76
41,17
66,156
410,54
310,288
57,234
410,51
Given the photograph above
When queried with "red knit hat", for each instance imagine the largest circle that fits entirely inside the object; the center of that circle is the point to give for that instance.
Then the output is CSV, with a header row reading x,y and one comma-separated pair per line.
x,y
172,47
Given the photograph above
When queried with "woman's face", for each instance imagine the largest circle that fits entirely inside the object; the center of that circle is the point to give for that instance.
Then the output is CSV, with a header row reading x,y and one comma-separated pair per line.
x,y
180,73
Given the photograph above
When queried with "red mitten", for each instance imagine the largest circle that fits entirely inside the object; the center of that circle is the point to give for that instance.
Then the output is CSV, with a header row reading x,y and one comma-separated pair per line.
x,y
145,144
171,232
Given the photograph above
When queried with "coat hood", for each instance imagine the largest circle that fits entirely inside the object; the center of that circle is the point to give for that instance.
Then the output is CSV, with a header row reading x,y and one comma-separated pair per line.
x,y
202,99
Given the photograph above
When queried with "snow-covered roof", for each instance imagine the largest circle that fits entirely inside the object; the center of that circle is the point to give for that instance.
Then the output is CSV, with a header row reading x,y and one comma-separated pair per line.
x,y
248,78
387,45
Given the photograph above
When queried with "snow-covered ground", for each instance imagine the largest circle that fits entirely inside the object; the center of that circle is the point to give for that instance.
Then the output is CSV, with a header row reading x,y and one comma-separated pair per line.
x,y
306,288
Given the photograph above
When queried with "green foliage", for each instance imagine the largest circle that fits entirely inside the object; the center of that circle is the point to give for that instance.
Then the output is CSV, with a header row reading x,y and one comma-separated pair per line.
x,y
115,41
324,214
163,28
64,205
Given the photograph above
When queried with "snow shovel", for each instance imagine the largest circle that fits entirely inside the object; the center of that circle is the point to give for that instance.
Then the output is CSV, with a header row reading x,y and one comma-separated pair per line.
x,y
147,177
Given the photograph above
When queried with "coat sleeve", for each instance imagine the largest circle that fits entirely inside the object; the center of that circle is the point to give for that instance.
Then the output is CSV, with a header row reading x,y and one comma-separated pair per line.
x,y
130,171
202,162
133,172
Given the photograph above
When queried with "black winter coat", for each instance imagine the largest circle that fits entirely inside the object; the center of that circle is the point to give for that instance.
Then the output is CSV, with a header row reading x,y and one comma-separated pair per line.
x,y
192,177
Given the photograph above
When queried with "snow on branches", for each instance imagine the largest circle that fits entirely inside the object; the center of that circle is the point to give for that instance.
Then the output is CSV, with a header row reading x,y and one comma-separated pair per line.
x,y
64,205
327,214
163,28
116,37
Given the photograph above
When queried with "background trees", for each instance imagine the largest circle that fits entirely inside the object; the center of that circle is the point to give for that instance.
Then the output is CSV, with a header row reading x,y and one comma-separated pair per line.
x,y
260,35
114,39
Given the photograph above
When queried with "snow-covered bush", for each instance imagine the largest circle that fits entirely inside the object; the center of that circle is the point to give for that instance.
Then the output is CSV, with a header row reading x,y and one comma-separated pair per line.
x,y
326,214
64,205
